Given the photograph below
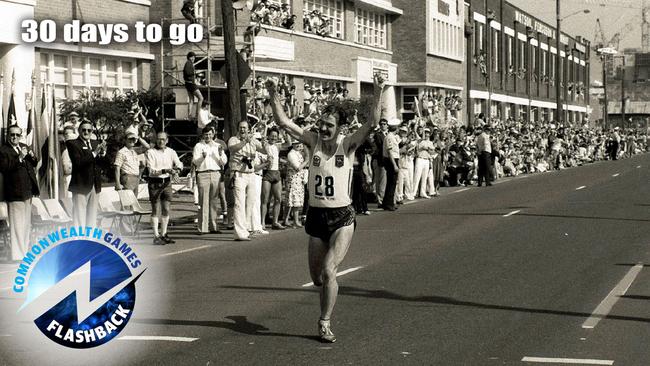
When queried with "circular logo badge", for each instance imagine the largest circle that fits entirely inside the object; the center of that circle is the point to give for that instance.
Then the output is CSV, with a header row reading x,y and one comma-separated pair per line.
x,y
81,293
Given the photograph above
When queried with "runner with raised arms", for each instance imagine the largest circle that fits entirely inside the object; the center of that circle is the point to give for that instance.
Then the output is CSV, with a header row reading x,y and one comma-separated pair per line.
x,y
330,219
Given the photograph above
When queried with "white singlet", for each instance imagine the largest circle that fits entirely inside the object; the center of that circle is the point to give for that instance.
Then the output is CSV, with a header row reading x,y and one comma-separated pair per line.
x,y
330,181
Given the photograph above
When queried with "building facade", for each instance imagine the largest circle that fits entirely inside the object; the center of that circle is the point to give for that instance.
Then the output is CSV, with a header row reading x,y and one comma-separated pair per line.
x,y
512,71
429,49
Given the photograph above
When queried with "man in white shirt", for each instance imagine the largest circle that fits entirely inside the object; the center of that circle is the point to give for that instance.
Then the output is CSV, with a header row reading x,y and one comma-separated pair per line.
x,y
127,165
391,164
163,164
484,151
242,153
208,158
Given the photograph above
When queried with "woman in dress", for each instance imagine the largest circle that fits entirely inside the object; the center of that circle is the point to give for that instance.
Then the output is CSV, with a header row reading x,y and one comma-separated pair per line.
x,y
295,178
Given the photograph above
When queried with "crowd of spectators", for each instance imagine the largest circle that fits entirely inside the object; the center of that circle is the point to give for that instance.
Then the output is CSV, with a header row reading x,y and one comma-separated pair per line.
x,y
274,14
256,180
314,98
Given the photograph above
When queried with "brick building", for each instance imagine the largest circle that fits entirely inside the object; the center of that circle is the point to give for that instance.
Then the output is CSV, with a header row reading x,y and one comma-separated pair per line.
x,y
72,67
346,54
512,65
429,49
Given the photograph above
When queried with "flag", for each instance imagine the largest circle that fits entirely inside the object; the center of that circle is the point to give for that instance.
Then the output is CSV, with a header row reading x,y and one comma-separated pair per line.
x,y
41,133
56,179
416,106
3,127
11,109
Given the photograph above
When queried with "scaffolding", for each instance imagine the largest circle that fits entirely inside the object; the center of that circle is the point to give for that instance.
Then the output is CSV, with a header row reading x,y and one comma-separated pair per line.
x,y
172,82
210,50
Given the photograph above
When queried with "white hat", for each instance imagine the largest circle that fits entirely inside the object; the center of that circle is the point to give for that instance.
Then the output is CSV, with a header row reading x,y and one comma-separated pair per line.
x,y
394,122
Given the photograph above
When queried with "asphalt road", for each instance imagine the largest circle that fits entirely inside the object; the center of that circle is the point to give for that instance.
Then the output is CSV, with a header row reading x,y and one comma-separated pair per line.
x,y
506,275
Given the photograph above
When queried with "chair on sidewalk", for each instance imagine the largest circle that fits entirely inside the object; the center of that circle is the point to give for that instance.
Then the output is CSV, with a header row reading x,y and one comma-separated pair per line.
x,y
130,201
43,218
4,230
108,210
57,211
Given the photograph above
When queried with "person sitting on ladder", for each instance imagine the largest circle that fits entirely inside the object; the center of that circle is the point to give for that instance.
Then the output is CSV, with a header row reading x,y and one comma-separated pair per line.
x,y
189,76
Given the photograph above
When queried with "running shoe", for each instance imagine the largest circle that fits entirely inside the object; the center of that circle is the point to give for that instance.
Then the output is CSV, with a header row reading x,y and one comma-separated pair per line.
x,y
157,240
324,331
167,239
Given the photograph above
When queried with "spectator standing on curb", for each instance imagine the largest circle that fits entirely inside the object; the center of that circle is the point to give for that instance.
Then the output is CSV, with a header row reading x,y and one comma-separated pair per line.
x,y
85,181
484,151
17,164
378,161
163,165
391,164
243,148
296,174
209,159
272,181
422,164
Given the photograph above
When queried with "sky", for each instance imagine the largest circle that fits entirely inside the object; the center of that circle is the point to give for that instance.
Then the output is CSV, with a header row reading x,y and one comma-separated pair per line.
x,y
613,17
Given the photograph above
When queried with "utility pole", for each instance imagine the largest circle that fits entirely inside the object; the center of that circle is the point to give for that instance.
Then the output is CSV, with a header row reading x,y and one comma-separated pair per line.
x,y
605,112
558,89
233,107
623,95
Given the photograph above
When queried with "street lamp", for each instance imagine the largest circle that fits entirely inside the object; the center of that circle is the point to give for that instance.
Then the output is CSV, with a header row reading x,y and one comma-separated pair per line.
x,y
584,11
558,90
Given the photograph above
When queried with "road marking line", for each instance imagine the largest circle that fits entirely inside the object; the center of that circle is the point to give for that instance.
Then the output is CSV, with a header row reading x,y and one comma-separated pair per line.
x,y
638,166
512,213
610,300
5,288
3,272
409,202
342,273
157,338
616,175
581,187
5,335
574,361
462,190
185,251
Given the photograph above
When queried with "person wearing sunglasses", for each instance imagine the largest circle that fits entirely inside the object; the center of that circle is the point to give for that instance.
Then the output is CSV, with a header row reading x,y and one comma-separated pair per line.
x,y
85,181
17,164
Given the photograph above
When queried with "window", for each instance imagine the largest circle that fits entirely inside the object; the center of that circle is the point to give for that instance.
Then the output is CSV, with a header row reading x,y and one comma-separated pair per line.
x,y
522,54
510,53
544,61
495,50
72,73
478,38
317,12
371,28
533,59
446,30
324,83
408,99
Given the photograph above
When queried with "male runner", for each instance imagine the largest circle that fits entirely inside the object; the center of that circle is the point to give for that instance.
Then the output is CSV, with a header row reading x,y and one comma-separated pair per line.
x,y
330,218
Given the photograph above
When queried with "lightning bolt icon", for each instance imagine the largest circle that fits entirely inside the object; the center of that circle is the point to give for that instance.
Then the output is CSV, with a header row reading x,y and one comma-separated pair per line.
x,y
78,282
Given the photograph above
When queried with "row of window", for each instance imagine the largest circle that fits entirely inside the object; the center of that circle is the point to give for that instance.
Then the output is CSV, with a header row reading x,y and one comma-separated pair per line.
x,y
370,26
542,62
71,73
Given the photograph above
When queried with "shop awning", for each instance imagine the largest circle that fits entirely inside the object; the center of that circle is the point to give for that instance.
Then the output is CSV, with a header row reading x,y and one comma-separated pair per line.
x,y
382,4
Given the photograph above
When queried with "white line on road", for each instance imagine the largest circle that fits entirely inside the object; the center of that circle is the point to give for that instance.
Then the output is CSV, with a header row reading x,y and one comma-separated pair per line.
x,y
461,190
157,338
186,251
5,288
608,302
616,175
573,361
638,166
512,213
342,273
580,188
